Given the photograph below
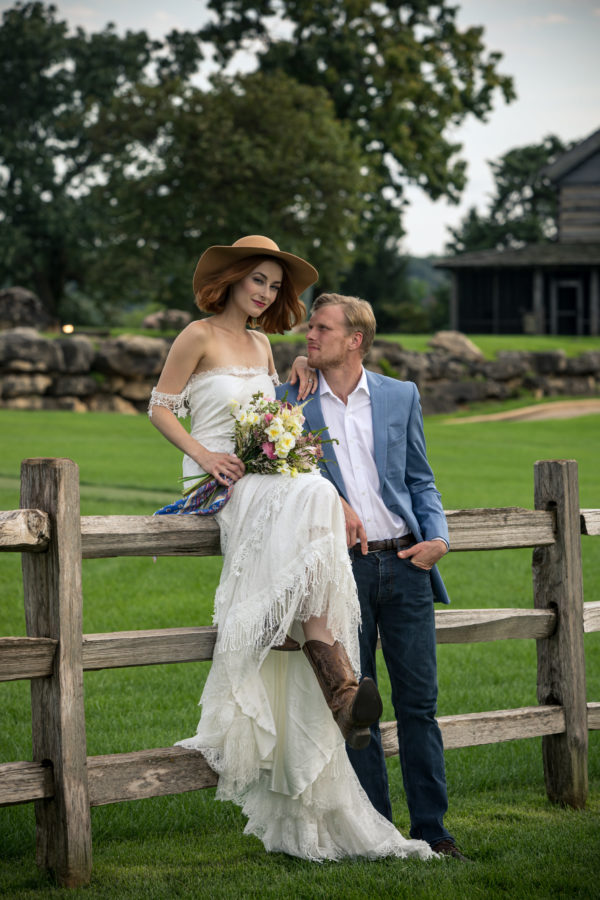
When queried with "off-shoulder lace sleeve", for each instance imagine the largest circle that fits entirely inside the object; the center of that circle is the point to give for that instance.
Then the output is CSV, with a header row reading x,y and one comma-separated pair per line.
x,y
177,403
274,378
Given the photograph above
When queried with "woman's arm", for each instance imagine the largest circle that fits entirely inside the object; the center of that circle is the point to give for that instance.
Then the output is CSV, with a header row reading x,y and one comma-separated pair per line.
x,y
184,356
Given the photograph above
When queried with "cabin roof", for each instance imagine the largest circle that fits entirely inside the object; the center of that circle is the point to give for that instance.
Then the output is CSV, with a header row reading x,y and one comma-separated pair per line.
x,y
549,254
574,157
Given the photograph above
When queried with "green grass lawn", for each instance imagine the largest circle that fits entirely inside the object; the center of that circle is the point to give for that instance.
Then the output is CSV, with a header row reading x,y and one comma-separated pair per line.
x,y
191,846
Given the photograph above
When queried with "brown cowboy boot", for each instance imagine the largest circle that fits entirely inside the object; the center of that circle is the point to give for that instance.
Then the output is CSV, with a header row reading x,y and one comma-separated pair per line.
x,y
354,706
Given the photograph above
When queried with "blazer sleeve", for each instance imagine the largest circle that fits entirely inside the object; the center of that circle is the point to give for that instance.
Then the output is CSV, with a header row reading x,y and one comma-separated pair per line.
x,y
419,478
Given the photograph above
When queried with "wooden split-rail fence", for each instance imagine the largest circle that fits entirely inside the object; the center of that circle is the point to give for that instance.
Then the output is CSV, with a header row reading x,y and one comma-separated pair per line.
x,y
64,782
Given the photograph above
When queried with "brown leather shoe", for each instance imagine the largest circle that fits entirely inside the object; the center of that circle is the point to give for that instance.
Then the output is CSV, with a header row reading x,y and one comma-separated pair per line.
x,y
449,848
288,644
354,706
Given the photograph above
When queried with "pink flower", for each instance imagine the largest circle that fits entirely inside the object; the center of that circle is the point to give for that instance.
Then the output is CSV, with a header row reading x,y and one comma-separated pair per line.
x,y
268,448
268,417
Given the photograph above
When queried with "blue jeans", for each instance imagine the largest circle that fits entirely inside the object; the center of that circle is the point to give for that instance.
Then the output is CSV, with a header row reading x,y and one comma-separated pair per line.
x,y
397,597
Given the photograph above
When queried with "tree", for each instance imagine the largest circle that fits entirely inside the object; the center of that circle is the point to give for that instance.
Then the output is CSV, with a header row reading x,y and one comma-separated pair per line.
x,y
402,74
257,154
53,86
524,206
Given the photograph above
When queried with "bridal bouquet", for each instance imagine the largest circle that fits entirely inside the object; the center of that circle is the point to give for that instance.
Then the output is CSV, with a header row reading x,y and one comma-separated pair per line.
x,y
269,439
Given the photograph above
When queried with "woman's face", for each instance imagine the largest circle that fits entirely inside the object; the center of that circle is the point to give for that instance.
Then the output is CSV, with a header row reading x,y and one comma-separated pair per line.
x,y
258,290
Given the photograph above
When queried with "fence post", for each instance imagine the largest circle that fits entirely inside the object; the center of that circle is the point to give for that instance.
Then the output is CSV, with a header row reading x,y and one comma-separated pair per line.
x,y
53,608
558,584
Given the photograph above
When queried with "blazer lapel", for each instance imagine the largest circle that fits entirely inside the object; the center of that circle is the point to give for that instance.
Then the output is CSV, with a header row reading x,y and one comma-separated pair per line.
x,y
315,421
379,416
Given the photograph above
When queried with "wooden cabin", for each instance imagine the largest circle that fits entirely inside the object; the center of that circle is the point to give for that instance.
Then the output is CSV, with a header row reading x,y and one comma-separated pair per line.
x,y
549,288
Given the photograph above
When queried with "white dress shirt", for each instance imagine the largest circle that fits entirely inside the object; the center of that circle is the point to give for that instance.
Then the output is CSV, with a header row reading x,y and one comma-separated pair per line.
x,y
352,425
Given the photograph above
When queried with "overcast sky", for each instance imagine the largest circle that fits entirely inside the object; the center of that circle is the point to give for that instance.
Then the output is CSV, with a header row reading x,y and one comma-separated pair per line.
x,y
550,47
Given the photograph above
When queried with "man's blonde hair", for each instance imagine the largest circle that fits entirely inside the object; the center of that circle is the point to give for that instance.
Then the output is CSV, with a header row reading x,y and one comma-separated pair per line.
x,y
358,313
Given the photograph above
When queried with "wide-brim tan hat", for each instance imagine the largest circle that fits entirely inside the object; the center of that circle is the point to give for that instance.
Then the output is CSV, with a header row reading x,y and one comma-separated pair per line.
x,y
218,257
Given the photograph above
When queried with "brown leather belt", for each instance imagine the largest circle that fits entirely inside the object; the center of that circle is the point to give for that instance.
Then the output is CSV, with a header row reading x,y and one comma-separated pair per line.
x,y
407,540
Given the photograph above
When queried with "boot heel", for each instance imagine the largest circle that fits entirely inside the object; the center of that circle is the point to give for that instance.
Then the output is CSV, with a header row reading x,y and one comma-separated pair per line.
x,y
359,738
367,706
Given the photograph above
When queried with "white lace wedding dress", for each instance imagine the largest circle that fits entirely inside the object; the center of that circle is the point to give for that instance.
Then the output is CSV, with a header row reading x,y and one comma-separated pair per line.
x,y
265,727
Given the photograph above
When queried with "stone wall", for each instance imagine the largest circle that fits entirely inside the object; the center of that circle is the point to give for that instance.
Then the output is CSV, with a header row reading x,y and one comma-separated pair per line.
x,y
117,374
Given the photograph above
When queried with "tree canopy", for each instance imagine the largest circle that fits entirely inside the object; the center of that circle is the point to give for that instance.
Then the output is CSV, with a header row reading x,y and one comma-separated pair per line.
x,y
117,170
524,206
404,75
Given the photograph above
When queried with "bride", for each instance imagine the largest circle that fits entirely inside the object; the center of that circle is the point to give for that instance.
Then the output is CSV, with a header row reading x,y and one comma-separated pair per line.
x,y
274,720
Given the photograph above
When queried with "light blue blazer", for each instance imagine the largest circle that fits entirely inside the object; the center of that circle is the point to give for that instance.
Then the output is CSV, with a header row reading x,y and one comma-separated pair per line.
x,y
405,476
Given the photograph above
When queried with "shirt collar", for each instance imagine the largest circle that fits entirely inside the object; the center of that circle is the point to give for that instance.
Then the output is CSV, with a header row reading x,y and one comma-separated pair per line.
x,y
363,385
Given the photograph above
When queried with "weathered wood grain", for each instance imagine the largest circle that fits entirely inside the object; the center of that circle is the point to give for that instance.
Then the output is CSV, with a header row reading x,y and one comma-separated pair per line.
x,y
593,710
590,521
148,648
557,584
473,729
104,536
591,616
24,529
147,773
460,626
477,529
22,782
497,529
53,609
26,657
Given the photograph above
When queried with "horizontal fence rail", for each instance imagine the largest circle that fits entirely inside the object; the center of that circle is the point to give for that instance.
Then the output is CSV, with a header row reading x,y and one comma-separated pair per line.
x,y
54,539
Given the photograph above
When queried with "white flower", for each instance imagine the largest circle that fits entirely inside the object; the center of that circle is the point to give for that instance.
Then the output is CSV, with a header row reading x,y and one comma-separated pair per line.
x,y
285,443
252,418
275,429
283,468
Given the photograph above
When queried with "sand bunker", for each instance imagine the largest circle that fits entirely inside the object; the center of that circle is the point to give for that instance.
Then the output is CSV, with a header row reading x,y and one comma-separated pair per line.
x,y
562,409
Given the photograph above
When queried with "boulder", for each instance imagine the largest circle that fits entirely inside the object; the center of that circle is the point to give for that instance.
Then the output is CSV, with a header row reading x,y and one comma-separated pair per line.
x,y
549,362
167,320
587,363
26,345
78,353
22,308
137,391
108,403
508,364
74,386
22,385
455,344
131,355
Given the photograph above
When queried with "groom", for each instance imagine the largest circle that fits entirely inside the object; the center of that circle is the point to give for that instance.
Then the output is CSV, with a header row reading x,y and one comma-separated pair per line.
x,y
396,531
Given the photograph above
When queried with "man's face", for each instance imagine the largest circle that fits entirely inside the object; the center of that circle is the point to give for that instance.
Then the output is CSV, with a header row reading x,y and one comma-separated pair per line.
x,y
328,339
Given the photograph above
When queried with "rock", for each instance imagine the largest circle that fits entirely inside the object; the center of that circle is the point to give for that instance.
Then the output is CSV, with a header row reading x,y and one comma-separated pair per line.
x,y
456,344
21,385
549,362
78,353
284,355
107,403
137,390
28,402
74,385
132,355
167,320
70,404
20,307
26,345
587,363
509,364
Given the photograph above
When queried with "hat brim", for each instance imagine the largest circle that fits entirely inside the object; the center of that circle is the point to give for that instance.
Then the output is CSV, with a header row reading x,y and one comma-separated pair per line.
x,y
218,257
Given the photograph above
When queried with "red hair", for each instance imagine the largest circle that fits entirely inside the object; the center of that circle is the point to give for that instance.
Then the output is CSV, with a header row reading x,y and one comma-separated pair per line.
x,y
285,312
